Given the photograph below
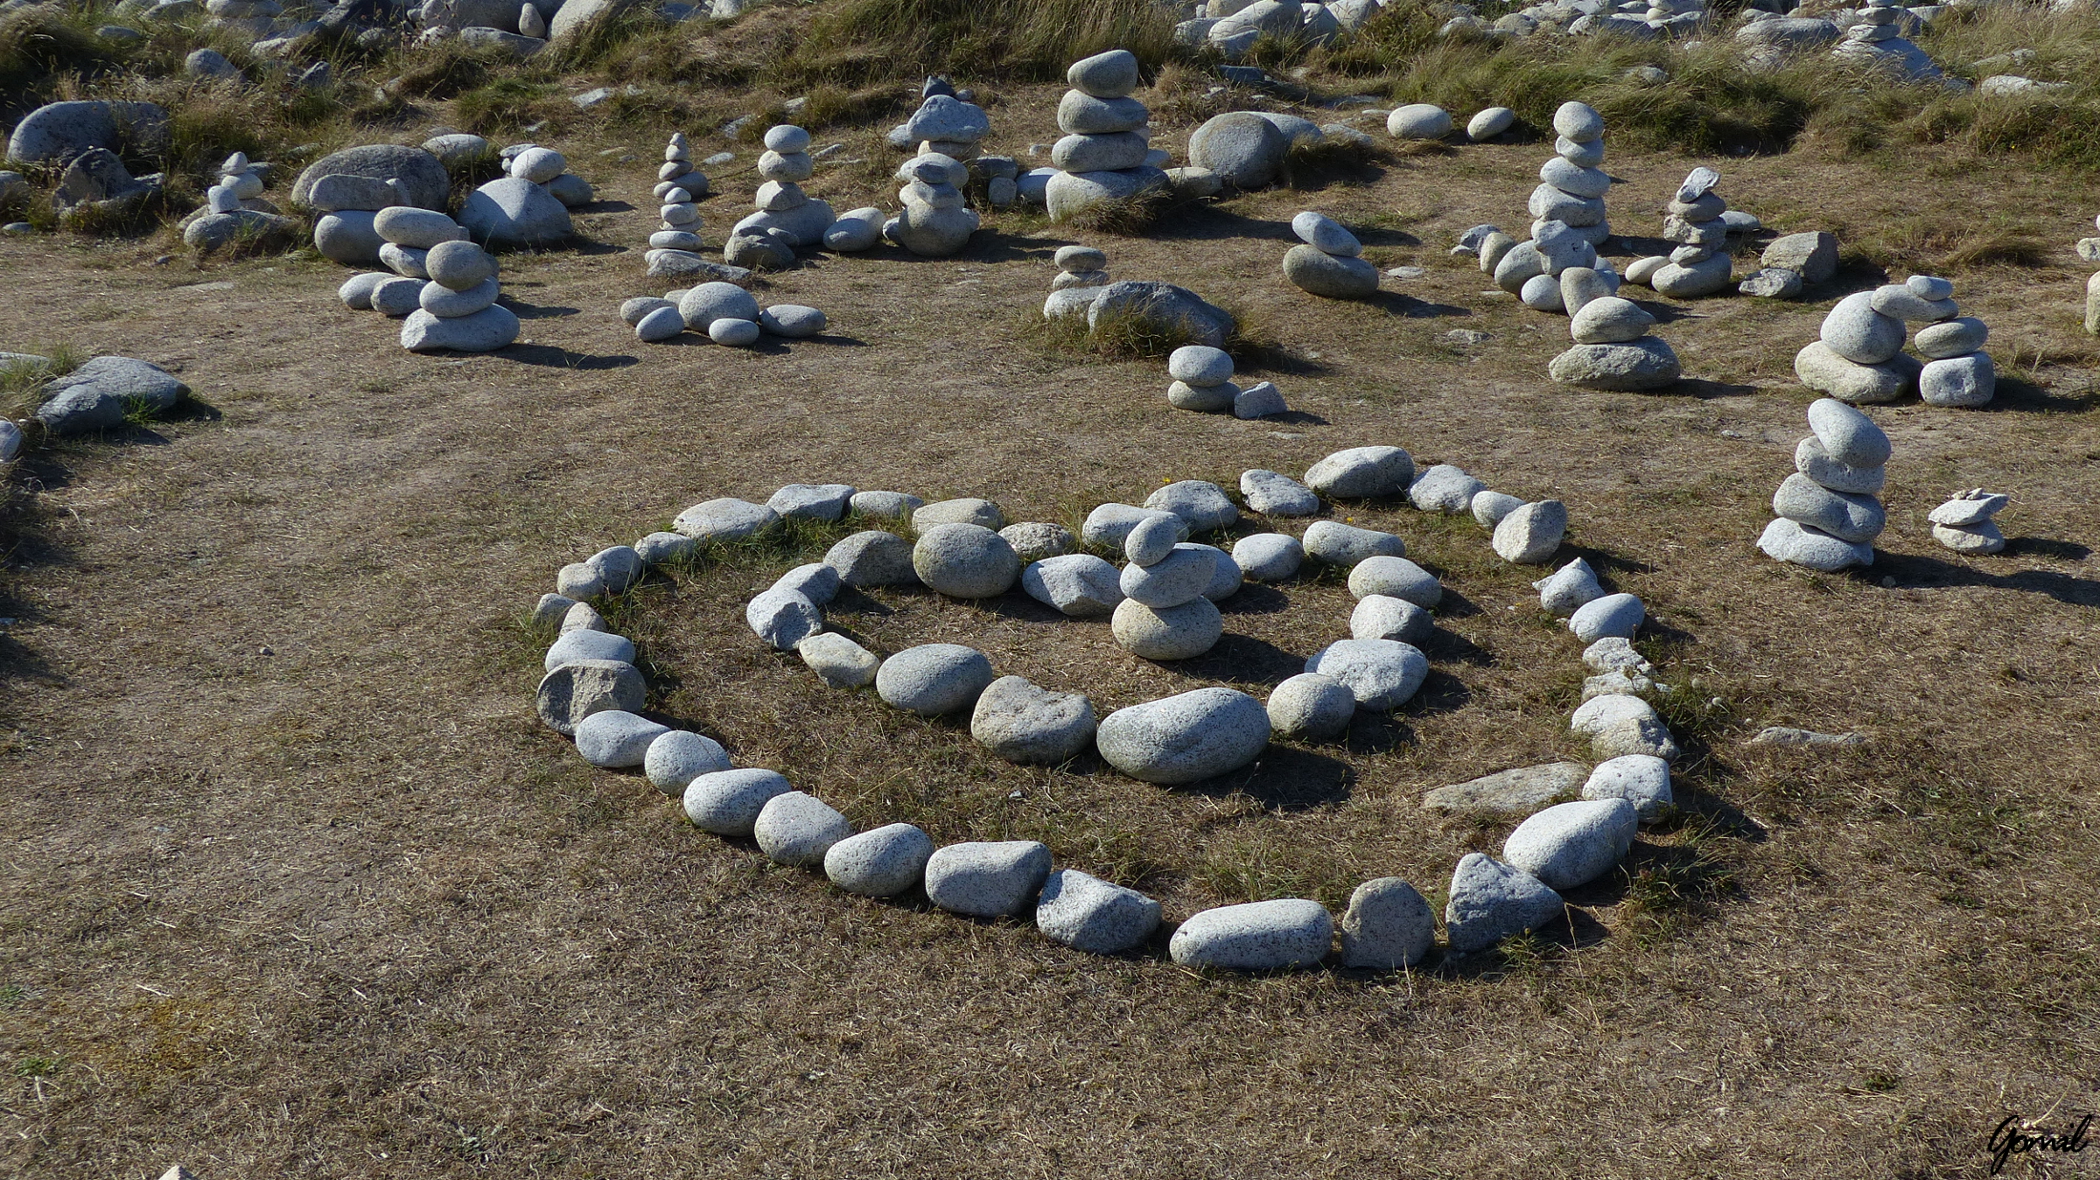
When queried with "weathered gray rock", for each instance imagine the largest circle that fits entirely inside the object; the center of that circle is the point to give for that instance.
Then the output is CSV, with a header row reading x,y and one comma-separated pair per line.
x,y
1850,518
1361,473
679,756
1617,615
587,644
459,265
1380,616
1960,382
1784,735
962,510
512,213
1952,338
1610,320
407,225
1312,706
1771,283
60,131
1489,123
725,519
798,829
1531,535
783,618
729,802
1092,915
1847,435
1568,589
1020,722
1383,673
1274,494
1163,309
987,878
1572,844
1276,935
616,738
1329,276
1443,488
1641,779
96,395
1387,927
1180,632
1811,460
1268,557
965,561
486,330
578,688
882,862
1802,545
837,660
1203,505
1490,507
423,177
1105,75
1178,578
873,558
1396,577
934,679
1969,508
1067,194
891,505
1633,367
1491,901
1518,792
826,502
348,237
1199,364
1898,301
1860,334
1345,545
1034,540
447,304
1079,585
1820,368
1110,524
1185,738
1245,150
1152,540
1690,280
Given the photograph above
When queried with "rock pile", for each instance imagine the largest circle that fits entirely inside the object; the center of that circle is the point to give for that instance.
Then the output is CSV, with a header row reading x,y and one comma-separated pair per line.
x,y
444,284
1700,265
1791,263
525,209
1106,153
1957,372
1964,523
674,250
1877,42
234,210
1326,262
1164,614
99,394
723,317
1203,382
787,219
1828,512
1612,349
1859,357
1572,185
934,223
946,123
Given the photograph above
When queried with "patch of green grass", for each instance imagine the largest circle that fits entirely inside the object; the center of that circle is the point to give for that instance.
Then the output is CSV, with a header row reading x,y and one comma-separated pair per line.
x,y
40,43
38,1067
11,995
502,105
1671,886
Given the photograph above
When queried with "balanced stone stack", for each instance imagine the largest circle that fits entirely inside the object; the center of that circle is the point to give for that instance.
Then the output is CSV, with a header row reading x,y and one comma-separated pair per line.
x,y
1203,383
1326,262
678,171
934,223
1571,184
1106,152
1877,42
1080,267
521,211
550,170
787,219
458,309
1964,523
674,250
1828,512
1957,372
347,205
1164,614
1612,350
946,123
1700,265
234,208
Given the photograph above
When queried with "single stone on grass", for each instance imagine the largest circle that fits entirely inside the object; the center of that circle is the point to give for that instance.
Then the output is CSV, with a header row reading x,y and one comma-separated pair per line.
x,y
934,679
1020,722
1532,534
1204,506
1491,901
616,738
1268,557
1388,926
1034,540
783,618
1185,738
1346,545
1641,779
987,878
725,519
1396,577
890,505
882,862
1518,792
1079,585
798,829
1383,673
1443,488
811,501
1362,473
1378,616
1199,364
728,802
1255,936
1572,844
1613,614
679,756
579,688
572,646
1489,508
1310,705
1092,915
1272,494
1569,588
965,560
873,558
837,660
964,510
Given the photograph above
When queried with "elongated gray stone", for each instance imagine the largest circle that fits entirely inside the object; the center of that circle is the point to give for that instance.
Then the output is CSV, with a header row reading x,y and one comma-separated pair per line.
x,y
1185,738
933,679
1572,844
1255,936
987,879
797,829
728,802
1519,792
616,738
1384,674
1092,915
881,862
1345,545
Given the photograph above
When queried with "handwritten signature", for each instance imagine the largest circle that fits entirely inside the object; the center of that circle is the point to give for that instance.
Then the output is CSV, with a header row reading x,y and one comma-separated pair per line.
x,y
2010,1138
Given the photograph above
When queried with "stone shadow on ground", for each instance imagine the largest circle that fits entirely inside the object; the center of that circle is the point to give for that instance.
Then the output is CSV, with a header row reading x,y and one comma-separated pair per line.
x,y
1286,778
2016,395
1394,303
557,358
535,311
1921,572
1703,389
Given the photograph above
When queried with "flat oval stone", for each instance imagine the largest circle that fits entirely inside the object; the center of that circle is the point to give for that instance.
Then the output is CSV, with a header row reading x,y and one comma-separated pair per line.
x,y
1578,122
1610,320
589,645
1572,844
1020,722
1802,545
1490,123
728,802
1105,75
1573,180
1268,557
1396,577
579,688
1276,935
987,878
1383,673
616,738
1325,234
1273,494
1078,585
1199,364
1201,504
933,679
1853,518
798,829
1178,578
1641,779
725,519
873,558
1963,382
1362,473
1952,338
1179,632
965,561
679,756
1847,435
1310,705
1380,616
1092,915
1614,615
1418,120
406,225
1185,738
882,862
1345,545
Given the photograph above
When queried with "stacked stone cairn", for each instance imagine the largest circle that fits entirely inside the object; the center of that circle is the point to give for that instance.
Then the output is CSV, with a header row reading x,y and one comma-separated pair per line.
x,y
444,284
1572,184
1080,267
1203,383
1964,522
727,313
1877,42
1700,265
348,205
1859,357
529,207
934,222
1828,513
1326,261
1106,153
946,123
787,219
234,208
550,170
678,171
1958,373
675,248
1612,349
1166,613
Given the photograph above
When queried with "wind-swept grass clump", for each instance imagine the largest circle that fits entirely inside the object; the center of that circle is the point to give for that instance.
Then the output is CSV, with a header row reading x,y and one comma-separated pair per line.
x,y
860,41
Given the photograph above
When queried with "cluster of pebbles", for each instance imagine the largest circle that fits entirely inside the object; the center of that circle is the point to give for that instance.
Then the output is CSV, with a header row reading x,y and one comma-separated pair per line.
x,y
1828,512
1964,522
1859,356
593,692
1106,153
234,207
1696,220
723,312
443,283
1326,261
1203,383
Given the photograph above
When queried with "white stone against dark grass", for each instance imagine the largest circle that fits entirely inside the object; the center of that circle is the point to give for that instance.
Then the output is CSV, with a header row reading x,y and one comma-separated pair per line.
x,y
1641,779
1311,706
883,862
1268,557
1568,589
987,879
1362,473
1272,494
934,679
616,738
679,756
725,519
587,644
1185,738
1092,915
873,558
965,561
1611,616
783,618
1532,534
1345,544
1078,585
1491,901
798,829
838,661
579,688
1572,844
728,802
1384,674
1277,935
1380,616
1388,926
1020,722
1519,792
1396,577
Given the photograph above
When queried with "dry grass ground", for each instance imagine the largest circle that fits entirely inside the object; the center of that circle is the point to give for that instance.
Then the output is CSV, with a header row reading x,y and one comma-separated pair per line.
x,y
298,886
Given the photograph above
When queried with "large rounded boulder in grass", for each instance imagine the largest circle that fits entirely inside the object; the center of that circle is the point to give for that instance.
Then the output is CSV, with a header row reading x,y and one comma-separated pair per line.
x,y
423,177
1361,473
1388,926
60,131
1185,738
1329,276
879,863
1160,310
1418,120
511,213
1256,936
1180,632
934,679
577,689
728,802
1245,150
1632,367
1383,673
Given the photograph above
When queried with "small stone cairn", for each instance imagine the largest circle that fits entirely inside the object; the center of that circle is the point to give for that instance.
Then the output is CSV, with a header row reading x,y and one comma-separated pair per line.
x,y
1828,513
675,248
444,284
1106,152
1964,523
1958,374
1859,357
1571,186
678,171
1164,614
726,313
787,219
1326,263
947,122
1700,265
934,223
1612,349
234,207
1203,382
1877,42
